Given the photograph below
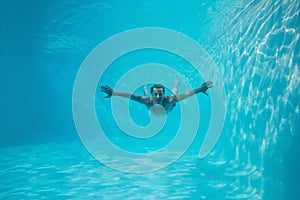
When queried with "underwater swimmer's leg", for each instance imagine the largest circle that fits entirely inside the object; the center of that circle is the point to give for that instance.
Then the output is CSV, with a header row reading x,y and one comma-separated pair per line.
x,y
175,89
145,91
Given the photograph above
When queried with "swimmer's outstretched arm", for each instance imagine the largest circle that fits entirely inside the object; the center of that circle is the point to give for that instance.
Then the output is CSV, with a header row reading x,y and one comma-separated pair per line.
x,y
189,93
110,92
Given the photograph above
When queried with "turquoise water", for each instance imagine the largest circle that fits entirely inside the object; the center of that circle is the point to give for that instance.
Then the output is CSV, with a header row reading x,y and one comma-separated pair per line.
x,y
255,47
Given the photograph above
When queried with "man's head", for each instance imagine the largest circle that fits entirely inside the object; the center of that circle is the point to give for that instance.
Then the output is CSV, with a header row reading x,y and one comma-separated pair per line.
x,y
158,92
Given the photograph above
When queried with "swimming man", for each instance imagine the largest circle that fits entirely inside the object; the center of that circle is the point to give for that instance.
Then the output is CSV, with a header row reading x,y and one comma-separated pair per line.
x,y
158,103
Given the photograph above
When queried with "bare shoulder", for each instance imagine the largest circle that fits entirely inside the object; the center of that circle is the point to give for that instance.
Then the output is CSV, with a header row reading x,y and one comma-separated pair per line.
x,y
170,103
146,100
141,99
171,99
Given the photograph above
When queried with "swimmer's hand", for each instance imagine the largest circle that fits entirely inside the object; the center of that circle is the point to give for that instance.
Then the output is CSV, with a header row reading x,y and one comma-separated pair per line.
x,y
106,89
205,86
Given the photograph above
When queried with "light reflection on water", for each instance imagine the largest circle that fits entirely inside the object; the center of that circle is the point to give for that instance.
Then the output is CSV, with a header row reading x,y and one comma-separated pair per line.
x,y
259,58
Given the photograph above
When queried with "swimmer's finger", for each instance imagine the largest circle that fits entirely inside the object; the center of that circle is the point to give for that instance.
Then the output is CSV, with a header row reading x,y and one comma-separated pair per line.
x,y
209,84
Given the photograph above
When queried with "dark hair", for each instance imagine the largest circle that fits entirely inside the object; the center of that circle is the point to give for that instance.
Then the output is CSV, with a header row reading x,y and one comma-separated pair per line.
x,y
157,86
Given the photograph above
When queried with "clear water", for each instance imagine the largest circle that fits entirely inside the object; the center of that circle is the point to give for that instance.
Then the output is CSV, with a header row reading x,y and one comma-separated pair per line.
x,y
255,45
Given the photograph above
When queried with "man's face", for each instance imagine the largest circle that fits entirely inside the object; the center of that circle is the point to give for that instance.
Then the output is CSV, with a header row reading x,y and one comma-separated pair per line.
x,y
158,95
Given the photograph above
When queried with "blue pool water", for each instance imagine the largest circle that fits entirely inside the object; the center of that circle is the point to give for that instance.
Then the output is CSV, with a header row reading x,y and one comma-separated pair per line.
x,y
255,48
